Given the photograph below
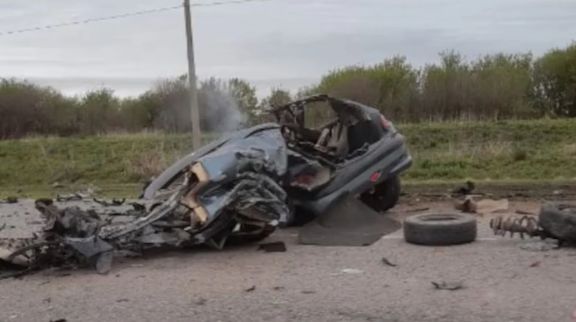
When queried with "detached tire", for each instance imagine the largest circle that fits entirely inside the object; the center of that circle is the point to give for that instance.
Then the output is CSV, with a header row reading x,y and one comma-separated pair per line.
x,y
440,229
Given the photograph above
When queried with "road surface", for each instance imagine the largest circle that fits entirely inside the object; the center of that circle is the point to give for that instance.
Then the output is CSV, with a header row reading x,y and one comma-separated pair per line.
x,y
502,282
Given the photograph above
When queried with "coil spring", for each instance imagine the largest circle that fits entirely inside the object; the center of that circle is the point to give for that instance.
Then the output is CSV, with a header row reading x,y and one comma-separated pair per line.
x,y
524,225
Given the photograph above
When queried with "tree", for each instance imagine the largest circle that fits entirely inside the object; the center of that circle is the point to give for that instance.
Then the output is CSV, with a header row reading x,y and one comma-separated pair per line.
x,y
245,96
391,86
100,112
501,86
277,97
555,82
26,109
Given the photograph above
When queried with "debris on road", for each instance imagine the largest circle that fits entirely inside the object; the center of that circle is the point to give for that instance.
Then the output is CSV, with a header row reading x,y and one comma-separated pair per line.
x,y
275,247
465,190
559,221
440,229
489,206
555,220
522,225
468,205
535,264
351,271
250,289
387,262
9,200
482,207
450,286
114,202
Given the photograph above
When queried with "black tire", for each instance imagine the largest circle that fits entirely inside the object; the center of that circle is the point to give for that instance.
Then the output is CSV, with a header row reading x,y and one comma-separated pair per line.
x,y
440,229
242,238
559,220
384,196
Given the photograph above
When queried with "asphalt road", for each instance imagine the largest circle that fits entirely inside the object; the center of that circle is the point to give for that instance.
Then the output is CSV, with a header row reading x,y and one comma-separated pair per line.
x,y
502,282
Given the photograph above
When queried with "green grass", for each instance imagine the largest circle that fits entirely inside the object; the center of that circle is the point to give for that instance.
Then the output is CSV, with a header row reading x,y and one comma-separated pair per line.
x,y
540,150
501,151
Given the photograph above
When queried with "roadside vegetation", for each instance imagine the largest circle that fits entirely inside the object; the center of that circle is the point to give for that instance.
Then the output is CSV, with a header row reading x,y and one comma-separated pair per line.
x,y
543,150
493,87
497,118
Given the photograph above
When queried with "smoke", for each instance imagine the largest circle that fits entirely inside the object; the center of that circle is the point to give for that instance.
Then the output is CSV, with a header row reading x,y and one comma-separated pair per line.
x,y
221,111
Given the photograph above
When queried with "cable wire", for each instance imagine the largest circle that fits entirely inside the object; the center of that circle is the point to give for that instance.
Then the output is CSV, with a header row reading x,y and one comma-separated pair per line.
x,y
121,16
219,3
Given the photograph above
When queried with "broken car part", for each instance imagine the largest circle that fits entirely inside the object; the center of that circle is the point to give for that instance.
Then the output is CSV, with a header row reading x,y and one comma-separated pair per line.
x,y
387,262
383,196
348,223
440,229
555,220
113,202
559,220
449,286
468,205
521,225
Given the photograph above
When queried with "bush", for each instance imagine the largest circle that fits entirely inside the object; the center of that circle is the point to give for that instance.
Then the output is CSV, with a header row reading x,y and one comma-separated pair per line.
x,y
493,87
555,78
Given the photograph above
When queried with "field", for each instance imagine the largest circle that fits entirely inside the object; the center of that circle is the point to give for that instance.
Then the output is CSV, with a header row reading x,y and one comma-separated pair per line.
x,y
510,151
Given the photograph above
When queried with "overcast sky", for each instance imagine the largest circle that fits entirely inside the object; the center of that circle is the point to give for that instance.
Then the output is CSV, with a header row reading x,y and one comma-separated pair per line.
x,y
277,43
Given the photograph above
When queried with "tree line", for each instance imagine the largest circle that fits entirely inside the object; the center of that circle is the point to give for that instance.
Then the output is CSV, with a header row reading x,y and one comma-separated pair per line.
x,y
492,87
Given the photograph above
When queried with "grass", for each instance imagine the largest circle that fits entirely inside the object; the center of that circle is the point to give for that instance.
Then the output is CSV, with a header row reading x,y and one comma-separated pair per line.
x,y
536,150
513,150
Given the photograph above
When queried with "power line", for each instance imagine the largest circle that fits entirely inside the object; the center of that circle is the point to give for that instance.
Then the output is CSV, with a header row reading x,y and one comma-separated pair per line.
x,y
121,16
81,22
219,3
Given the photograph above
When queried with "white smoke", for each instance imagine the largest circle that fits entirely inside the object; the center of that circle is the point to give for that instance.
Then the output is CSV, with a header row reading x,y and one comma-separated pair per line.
x,y
221,110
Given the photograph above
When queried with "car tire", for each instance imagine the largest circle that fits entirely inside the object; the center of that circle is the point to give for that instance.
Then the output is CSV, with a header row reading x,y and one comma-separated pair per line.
x,y
440,229
253,238
559,220
384,196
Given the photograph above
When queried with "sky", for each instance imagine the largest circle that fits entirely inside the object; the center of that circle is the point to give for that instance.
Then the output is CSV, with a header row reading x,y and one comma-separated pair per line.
x,y
273,44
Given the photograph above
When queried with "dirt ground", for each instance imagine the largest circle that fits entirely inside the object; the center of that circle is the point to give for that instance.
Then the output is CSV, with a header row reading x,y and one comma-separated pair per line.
x,y
502,282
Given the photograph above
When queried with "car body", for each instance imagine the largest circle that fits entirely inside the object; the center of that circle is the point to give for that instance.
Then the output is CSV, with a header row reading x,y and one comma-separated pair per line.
x,y
255,179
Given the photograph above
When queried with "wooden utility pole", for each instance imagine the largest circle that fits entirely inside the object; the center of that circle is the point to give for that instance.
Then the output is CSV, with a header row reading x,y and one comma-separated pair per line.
x,y
192,91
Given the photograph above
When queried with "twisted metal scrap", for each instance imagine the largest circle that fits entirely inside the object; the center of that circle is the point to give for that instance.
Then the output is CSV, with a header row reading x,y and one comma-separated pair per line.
x,y
513,224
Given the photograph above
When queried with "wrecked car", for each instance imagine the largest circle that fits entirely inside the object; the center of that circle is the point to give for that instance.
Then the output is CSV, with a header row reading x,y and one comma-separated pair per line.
x,y
247,183
259,178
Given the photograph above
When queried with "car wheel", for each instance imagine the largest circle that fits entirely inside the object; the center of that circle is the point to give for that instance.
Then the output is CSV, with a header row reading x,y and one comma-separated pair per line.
x,y
440,229
247,234
384,196
559,220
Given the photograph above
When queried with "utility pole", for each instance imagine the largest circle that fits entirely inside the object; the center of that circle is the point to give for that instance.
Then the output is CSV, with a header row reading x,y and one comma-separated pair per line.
x,y
192,91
